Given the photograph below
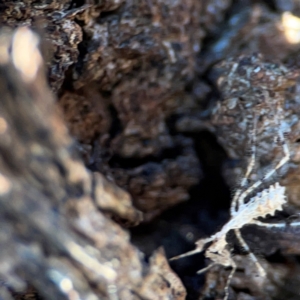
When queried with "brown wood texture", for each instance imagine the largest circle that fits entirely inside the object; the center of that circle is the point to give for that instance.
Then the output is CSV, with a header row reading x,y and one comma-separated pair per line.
x,y
122,130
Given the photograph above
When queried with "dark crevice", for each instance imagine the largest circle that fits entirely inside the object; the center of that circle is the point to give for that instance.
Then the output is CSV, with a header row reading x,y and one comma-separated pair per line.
x,y
116,125
204,214
117,161
277,258
83,48
171,123
209,55
271,4
67,84
77,3
78,66
110,13
245,290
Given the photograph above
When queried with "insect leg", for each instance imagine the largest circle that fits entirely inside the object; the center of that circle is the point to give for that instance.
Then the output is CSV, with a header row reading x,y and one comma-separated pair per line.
x,y
226,289
276,225
250,253
236,199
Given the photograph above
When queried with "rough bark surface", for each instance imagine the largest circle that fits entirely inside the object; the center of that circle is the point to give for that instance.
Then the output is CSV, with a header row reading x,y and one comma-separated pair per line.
x,y
56,230
145,134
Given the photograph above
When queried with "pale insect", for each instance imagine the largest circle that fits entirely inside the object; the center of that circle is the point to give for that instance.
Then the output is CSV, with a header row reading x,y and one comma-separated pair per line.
x,y
243,213
265,203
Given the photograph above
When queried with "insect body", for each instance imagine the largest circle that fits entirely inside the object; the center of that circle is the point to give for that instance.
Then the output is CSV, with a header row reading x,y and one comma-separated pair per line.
x,y
265,203
253,80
